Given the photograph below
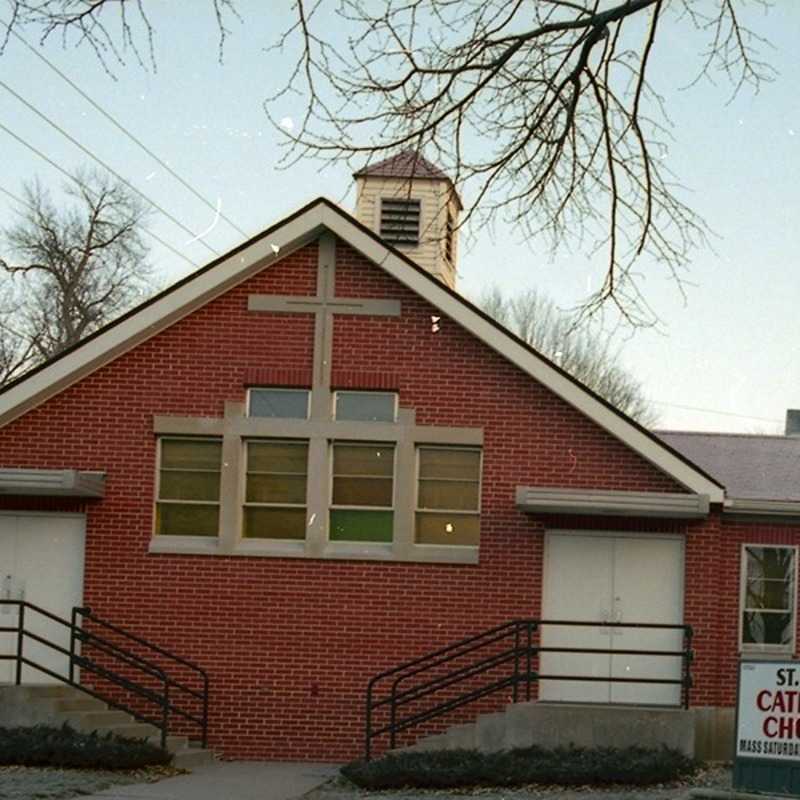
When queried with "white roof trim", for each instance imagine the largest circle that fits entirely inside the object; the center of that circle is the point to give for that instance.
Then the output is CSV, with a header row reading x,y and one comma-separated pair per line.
x,y
297,230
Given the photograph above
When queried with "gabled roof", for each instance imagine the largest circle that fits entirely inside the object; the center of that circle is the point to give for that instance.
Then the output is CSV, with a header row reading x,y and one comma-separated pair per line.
x,y
406,164
752,467
291,233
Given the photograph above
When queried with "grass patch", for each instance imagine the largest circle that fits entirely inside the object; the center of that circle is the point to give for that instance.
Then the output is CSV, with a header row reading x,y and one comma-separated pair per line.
x,y
573,766
46,746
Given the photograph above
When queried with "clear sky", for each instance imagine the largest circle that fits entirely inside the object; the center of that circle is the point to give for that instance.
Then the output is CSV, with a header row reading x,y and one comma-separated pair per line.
x,y
731,347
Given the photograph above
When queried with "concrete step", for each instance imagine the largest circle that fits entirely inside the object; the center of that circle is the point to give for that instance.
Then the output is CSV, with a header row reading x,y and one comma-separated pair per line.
x,y
174,743
62,691
191,757
133,730
96,720
490,732
461,737
78,704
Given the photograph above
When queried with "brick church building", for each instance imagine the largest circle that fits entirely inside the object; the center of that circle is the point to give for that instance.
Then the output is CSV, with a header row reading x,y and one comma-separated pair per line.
x,y
312,460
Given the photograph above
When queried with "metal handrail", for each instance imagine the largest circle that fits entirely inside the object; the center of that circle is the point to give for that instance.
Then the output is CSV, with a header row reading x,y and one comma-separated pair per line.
x,y
111,650
440,669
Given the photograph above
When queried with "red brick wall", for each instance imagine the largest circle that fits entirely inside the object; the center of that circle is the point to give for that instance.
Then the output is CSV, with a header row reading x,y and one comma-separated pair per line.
x,y
291,643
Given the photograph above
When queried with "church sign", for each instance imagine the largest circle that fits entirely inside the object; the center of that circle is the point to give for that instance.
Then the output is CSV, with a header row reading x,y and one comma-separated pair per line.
x,y
768,728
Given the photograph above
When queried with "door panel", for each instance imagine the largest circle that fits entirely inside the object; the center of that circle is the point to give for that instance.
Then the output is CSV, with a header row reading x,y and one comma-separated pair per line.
x,y
8,614
648,580
46,565
578,583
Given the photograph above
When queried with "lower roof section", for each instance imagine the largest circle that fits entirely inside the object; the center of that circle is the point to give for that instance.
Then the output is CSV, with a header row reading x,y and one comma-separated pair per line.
x,y
555,500
52,482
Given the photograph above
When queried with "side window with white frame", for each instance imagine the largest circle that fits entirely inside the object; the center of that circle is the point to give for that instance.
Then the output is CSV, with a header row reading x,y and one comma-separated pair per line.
x,y
275,489
448,496
278,403
187,495
365,406
768,599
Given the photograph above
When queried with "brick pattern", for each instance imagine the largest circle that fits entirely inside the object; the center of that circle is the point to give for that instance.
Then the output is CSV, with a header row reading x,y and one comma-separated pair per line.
x,y
290,644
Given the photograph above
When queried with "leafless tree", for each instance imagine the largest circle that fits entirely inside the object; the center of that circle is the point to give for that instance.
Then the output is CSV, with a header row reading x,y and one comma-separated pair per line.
x,y
579,347
542,110
69,270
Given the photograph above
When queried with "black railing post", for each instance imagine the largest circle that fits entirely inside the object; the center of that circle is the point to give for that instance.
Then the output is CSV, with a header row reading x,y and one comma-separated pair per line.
x,y
165,714
73,627
688,655
20,640
393,717
368,724
516,662
529,627
205,710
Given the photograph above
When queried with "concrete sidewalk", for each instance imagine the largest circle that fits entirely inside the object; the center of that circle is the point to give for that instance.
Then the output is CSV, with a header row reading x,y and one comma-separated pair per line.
x,y
229,780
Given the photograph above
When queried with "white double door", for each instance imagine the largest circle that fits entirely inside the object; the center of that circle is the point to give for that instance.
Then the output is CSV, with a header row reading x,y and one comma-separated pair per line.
x,y
41,561
612,578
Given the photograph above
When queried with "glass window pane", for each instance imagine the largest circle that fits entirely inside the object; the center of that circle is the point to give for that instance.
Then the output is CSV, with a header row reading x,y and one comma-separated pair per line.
x,y
276,489
767,628
275,523
361,526
191,454
770,562
289,457
185,519
362,492
437,463
189,486
456,495
448,529
365,406
353,460
775,595
283,403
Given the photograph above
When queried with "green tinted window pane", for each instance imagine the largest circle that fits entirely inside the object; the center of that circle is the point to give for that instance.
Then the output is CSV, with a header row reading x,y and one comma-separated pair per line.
x,y
460,529
276,489
275,523
374,459
775,563
191,454
362,492
189,486
365,406
456,495
361,526
185,519
455,463
767,628
277,457
775,595
282,403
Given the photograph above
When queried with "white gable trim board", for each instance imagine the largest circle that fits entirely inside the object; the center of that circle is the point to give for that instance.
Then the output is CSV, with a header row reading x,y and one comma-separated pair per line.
x,y
295,231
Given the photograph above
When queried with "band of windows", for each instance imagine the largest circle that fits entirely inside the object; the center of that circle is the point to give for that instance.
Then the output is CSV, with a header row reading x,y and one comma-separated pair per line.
x,y
361,482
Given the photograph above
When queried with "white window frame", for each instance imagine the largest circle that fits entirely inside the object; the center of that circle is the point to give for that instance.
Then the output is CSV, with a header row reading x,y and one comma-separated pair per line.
x,y
243,488
333,507
766,649
460,512
338,392
158,499
250,390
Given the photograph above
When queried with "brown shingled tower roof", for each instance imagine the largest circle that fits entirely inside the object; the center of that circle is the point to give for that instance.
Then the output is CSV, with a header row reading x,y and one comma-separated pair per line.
x,y
406,164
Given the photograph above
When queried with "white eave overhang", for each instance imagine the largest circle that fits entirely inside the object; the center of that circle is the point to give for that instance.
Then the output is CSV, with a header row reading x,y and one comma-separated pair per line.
x,y
594,502
52,483
777,510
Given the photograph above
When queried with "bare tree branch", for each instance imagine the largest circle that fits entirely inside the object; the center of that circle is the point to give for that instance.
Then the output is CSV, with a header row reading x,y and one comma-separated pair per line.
x,y
69,271
580,348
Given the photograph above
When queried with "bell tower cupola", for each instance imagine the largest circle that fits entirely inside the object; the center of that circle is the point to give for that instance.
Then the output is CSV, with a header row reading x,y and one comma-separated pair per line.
x,y
413,205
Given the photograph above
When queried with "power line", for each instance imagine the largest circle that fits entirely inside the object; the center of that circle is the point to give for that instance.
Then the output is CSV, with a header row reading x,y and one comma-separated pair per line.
x,y
126,132
16,199
719,413
75,180
105,166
